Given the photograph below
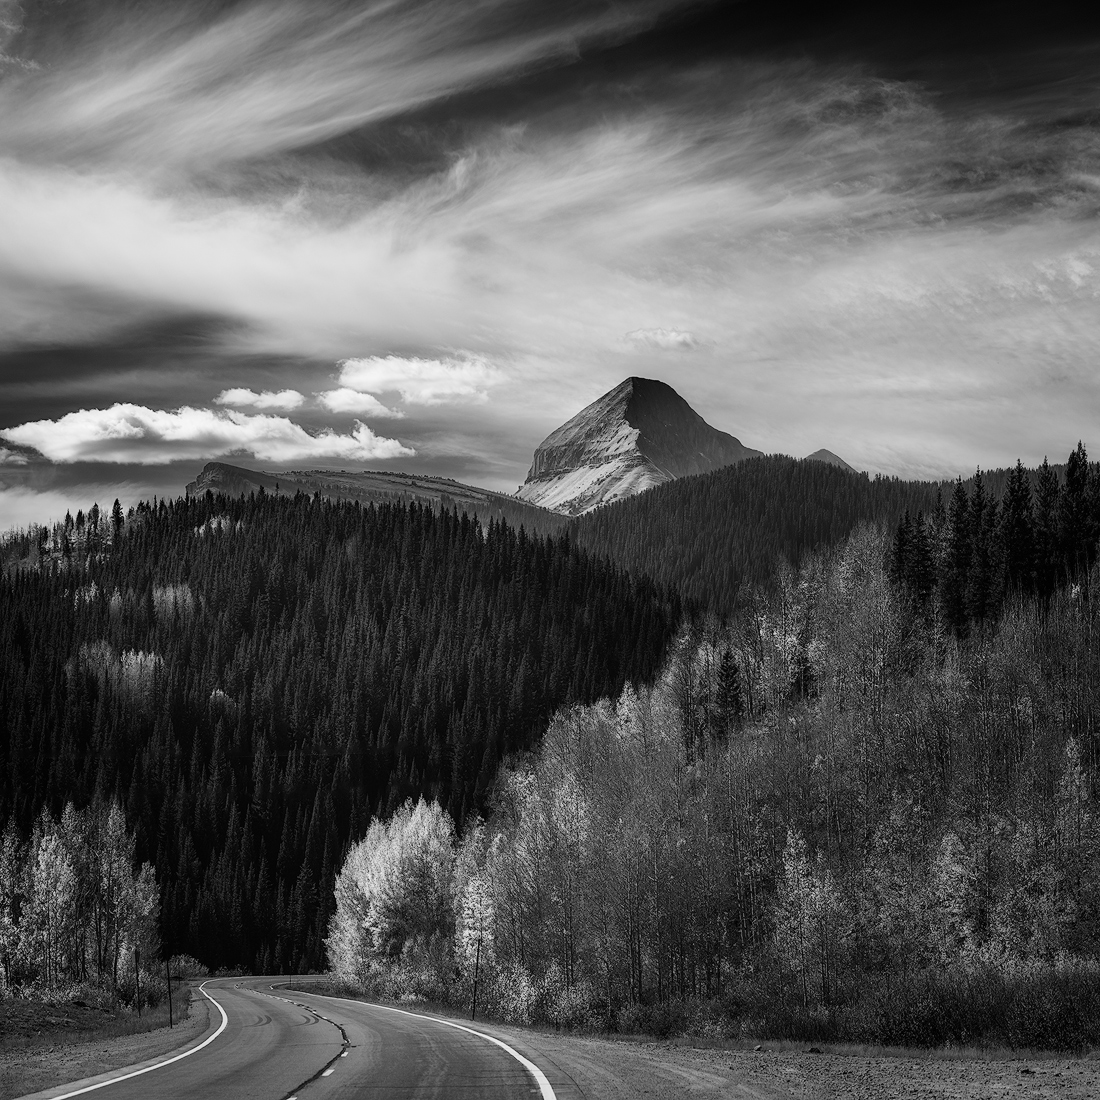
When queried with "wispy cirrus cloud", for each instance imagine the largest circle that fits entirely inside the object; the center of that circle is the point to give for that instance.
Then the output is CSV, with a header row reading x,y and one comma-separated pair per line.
x,y
135,434
918,272
287,400
263,78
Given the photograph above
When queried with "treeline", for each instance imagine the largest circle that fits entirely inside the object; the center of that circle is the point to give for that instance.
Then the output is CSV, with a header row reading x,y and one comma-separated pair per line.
x,y
76,909
715,536
978,552
830,818
253,679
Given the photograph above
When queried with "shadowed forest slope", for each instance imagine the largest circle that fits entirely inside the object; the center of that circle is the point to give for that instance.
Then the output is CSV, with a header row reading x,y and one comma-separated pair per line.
x,y
713,534
255,678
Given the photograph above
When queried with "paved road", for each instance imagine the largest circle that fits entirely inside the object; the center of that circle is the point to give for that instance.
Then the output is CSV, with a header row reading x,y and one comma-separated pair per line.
x,y
278,1043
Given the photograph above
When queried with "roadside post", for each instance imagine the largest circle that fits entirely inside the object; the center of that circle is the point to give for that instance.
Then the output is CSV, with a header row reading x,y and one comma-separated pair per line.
x,y
477,964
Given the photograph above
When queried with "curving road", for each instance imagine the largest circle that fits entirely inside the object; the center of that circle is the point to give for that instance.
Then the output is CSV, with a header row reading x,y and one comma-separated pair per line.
x,y
272,1043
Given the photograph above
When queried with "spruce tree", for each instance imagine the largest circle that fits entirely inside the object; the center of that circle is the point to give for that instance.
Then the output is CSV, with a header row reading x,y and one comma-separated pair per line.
x,y
1047,564
1017,535
921,575
900,553
729,703
955,566
1074,519
980,572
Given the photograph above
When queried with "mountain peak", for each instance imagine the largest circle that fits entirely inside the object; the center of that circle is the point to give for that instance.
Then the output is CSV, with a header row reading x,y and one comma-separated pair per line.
x,y
823,455
639,434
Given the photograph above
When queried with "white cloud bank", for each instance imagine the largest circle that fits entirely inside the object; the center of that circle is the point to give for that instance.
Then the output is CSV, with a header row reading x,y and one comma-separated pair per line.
x,y
283,399
135,434
421,381
346,400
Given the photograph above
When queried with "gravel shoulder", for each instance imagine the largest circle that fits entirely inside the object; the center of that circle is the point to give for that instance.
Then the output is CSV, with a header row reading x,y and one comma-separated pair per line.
x,y
63,1055
618,1069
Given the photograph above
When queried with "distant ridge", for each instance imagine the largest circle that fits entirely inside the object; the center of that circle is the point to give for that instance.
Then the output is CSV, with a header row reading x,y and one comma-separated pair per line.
x,y
377,486
640,434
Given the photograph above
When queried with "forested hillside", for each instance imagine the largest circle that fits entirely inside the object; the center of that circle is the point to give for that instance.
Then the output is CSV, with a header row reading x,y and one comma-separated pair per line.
x,y
254,678
860,809
714,534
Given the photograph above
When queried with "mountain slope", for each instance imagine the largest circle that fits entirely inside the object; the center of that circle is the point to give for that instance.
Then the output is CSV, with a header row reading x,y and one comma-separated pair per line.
x,y
378,486
640,434
710,535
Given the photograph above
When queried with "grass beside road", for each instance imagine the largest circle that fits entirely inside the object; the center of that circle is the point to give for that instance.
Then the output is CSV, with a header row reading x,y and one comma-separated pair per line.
x,y
45,1043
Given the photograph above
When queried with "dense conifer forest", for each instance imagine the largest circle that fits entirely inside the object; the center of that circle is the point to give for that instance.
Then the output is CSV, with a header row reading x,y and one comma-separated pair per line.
x,y
253,679
716,535
713,536
976,552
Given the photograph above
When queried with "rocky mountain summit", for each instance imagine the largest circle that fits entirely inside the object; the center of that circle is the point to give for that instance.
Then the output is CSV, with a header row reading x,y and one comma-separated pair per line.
x,y
638,435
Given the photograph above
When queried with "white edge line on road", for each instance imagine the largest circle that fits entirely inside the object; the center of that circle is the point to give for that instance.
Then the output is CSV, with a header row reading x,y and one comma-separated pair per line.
x,y
545,1088
167,1062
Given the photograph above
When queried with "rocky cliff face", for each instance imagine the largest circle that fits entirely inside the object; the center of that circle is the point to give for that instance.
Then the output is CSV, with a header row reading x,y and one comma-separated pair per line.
x,y
637,435
235,481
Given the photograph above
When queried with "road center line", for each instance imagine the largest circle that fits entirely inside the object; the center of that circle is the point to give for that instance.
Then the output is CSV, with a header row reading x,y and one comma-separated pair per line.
x,y
327,1068
545,1088
167,1062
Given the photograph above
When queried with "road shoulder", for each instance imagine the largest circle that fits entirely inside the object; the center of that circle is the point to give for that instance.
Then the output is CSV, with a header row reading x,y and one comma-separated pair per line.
x,y
59,1068
618,1069
612,1068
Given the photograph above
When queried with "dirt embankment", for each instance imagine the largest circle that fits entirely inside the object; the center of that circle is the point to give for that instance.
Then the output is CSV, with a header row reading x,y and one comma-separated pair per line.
x,y
43,1044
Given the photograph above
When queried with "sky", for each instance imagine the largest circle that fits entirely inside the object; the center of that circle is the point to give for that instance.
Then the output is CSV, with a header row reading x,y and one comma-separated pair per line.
x,y
420,234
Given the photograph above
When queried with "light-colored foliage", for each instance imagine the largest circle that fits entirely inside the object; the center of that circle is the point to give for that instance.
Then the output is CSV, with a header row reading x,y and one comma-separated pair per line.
x,y
884,816
81,907
394,892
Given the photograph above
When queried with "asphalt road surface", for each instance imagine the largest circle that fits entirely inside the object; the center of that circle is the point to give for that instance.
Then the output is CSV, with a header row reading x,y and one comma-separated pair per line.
x,y
275,1043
